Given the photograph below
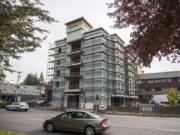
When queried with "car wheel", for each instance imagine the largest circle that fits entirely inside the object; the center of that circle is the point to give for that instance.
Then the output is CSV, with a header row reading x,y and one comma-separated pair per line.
x,y
89,130
50,127
18,109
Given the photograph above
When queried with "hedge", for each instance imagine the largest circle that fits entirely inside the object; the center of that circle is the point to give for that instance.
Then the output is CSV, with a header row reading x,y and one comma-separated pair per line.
x,y
3,104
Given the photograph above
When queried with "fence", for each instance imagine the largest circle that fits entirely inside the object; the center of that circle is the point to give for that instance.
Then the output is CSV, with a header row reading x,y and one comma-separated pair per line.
x,y
146,109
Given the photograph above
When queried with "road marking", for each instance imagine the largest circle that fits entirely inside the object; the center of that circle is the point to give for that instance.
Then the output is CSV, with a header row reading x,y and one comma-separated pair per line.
x,y
36,119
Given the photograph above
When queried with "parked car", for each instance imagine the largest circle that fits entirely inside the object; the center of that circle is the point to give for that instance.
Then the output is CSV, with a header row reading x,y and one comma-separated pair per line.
x,y
85,122
18,106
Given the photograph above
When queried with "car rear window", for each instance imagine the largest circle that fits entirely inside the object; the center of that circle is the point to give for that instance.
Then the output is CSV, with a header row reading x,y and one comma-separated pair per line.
x,y
96,114
23,104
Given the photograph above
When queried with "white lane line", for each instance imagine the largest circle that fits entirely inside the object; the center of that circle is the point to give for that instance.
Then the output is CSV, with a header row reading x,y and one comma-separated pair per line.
x,y
157,129
36,119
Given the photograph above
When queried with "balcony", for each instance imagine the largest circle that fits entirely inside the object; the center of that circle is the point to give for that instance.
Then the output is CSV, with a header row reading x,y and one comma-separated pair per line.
x,y
75,62
74,75
75,51
72,90
75,86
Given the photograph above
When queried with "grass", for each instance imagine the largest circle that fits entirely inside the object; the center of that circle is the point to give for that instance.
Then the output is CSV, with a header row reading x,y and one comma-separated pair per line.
x,y
10,133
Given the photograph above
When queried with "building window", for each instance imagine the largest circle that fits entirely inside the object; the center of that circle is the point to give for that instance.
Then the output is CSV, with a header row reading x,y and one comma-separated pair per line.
x,y
148,90
157,81
158,89
150,81
57,84
58,62
178,79
139,82
60,50
58,73
178,89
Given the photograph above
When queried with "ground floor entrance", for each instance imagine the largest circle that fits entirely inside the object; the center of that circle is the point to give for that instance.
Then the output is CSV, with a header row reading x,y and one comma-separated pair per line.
x,y
124,101
73,101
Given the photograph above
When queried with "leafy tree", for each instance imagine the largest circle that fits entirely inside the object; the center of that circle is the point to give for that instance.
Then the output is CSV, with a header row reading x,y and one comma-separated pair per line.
x,y
31,79
18,29
156,27
172,97
41,78
178,100
2,76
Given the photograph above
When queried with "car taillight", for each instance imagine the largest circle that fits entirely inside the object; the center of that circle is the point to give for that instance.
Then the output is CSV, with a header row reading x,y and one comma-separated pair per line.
x,y
104,122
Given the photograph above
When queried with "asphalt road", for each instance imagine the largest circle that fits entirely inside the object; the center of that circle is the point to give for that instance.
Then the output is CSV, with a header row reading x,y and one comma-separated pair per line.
x,y
31,124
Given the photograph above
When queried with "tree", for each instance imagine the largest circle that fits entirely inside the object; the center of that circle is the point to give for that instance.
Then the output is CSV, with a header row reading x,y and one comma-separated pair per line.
x,y
18,29
31,79
172,97
41,78
156,27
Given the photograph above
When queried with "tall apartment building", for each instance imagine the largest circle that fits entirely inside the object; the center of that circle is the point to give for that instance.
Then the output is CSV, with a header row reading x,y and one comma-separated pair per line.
x,y
132,70
86,67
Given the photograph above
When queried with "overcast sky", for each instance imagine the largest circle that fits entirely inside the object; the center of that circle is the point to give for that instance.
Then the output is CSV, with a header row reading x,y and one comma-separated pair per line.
x,y
95,11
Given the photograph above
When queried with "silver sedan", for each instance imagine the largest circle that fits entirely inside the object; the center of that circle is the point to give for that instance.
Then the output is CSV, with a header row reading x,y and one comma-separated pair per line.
x,y
18,106
85,122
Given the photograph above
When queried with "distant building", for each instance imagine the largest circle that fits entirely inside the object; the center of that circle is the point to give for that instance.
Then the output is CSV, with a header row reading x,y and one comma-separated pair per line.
x,y
157,83
88,67
11,92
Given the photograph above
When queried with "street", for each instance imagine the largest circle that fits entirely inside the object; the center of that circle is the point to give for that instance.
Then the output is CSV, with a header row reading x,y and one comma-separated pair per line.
x,y
31,123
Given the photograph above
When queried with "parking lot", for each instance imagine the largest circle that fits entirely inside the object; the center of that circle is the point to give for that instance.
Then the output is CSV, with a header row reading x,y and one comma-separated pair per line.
x,y
31,123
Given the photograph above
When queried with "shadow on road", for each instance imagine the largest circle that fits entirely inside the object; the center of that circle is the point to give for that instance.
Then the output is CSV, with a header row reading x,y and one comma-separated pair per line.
x,y
42,132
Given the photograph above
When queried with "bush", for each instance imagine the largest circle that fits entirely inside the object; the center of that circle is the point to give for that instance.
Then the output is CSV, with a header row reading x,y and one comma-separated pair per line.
x,y
9,133
3,104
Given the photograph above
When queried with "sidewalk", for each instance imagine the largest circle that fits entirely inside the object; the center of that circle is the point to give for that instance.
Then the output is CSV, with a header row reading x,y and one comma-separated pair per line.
x,y
147,114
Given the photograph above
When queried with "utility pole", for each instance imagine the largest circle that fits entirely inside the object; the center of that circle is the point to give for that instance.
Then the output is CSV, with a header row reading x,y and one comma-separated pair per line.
x,y
17,87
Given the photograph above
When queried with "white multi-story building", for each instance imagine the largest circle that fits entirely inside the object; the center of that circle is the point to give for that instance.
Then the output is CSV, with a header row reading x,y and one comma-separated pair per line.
x,y
87,67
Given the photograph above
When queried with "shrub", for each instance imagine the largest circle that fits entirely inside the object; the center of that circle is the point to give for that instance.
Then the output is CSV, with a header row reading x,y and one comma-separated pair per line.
x,y
3,104
9,133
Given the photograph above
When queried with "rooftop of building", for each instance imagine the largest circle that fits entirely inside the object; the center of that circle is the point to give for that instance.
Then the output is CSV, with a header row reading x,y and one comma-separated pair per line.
x,y
170,74
81,19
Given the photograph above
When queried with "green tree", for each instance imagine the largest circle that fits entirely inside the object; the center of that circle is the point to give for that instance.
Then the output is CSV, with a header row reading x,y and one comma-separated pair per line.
x,y
172,97
18,29
41,77
178,100
31,79
156,27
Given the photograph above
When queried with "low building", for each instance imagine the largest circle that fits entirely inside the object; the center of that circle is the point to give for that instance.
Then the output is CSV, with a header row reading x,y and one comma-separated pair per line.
x,y
157,84
12,92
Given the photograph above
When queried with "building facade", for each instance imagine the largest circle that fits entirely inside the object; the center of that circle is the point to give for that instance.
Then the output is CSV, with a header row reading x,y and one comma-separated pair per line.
x,y
158,83
87,67
11,92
